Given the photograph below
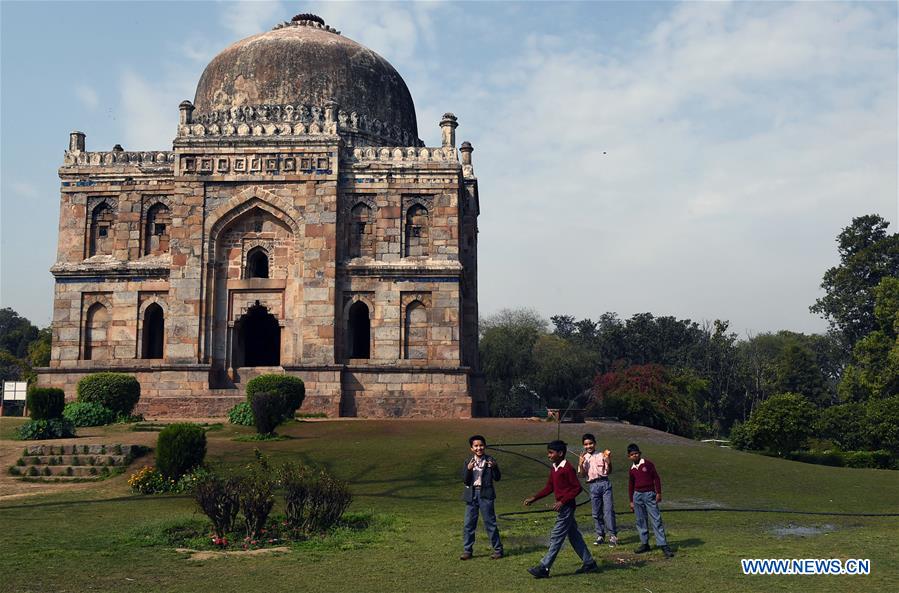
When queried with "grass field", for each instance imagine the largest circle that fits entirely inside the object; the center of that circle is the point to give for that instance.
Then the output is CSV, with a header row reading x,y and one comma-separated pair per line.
x,y
96,537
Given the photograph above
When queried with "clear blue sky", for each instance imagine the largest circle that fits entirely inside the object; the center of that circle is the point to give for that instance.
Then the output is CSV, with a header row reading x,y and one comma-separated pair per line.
x,y
689,159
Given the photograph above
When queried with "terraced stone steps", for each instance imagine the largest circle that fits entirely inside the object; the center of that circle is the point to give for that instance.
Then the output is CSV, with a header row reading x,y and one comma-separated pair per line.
x,y
58,463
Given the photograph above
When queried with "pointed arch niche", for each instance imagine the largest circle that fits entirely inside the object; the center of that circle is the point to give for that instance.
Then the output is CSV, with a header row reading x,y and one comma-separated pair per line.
x,y
95,343
100,228
156,228
357,313
151,326
416,325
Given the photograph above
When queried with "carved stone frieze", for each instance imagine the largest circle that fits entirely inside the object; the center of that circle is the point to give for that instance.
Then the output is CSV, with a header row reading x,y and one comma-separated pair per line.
x,y
310,163
368,154
270,120
118,157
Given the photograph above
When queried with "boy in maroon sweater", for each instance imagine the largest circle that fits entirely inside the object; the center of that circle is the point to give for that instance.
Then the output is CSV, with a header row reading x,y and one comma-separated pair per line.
x,y
644,488
564,484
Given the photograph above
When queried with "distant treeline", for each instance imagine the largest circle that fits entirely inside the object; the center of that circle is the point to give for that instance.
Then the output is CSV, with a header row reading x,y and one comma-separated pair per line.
x,y
701,379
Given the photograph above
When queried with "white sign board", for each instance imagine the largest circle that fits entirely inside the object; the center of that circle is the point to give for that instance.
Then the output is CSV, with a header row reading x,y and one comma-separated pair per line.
x,y
14,390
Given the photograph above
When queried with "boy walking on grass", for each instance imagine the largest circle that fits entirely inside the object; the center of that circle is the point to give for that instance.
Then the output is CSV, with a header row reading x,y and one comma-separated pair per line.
x,y
564,484
595,468
645,492
478,475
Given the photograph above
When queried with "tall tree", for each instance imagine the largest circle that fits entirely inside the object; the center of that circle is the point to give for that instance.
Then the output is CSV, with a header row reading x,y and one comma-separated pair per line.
x,y
867,254
506,348
874,372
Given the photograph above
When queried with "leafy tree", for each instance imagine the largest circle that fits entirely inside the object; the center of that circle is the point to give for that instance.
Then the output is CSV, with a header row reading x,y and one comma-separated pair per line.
x,y
883,421
874,372
782,423
846,426
16,333
506,353
22,347
649,395
796,371
867,255
562,370
39,350
11,368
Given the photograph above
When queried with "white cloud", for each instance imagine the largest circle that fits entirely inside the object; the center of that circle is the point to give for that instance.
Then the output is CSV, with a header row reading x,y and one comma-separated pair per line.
x,y
149,110
249,18
733,155
393,29
87,95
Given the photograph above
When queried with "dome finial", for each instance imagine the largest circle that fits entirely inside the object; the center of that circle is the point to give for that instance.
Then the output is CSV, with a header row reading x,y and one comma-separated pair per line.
x,y
306,16
307,19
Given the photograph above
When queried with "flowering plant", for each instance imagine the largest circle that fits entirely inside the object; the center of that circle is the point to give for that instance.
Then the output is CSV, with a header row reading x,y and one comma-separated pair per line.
x,y
148,480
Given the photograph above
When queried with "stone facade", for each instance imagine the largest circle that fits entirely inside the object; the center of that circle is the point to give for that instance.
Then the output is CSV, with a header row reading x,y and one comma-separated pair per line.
x,y
313,240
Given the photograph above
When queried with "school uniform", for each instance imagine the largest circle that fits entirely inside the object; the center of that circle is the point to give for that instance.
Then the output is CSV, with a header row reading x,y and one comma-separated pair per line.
x,y
597,468
643,485
479,496
564,484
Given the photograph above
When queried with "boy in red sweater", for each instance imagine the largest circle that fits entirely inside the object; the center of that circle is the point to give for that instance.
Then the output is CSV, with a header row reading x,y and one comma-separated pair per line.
x,y
644,489
564,484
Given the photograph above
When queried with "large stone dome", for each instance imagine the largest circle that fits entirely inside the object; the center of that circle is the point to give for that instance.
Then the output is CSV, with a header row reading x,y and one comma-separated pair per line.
x,y
306,63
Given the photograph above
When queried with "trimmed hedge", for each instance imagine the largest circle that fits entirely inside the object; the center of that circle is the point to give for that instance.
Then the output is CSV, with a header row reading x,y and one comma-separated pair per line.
x,y
268,411
292,388
179,449
117,391
45,403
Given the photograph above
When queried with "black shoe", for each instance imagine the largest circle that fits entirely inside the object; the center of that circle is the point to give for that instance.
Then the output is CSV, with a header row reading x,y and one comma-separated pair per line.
x,y
667,551
588,567
539,572
642,549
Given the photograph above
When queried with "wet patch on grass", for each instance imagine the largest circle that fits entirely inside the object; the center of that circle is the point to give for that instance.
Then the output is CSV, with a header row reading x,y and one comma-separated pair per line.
x,y
802,530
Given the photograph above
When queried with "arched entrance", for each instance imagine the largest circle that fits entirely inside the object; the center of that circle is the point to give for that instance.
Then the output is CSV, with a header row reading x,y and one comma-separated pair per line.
x,y
258,341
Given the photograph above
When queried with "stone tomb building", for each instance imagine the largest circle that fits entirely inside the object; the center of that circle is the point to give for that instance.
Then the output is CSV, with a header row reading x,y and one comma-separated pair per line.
x,y
298,226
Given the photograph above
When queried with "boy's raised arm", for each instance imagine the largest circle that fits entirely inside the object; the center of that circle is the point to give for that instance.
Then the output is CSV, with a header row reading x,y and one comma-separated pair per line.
x,y
467,473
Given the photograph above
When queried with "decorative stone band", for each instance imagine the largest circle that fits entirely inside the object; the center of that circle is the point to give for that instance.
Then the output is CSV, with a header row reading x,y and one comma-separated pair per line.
x,y
293,120
363,154
119,157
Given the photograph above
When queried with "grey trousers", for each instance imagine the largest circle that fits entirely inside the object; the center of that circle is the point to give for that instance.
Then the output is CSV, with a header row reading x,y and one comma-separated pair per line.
x,y
566,527
485,507
603,507
645,505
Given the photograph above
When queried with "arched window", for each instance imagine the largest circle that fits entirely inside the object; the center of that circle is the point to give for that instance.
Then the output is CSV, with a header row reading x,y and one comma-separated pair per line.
x,y
361,232
153,333
416,331
416,231
156,230
257,263
96,324
101,240
359,331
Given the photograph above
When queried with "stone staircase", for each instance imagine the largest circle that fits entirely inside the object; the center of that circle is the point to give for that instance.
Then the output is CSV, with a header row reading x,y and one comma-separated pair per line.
x,y
74,463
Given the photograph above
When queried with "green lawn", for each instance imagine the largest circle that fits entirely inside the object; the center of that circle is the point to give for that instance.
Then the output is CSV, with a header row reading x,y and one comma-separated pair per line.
x,y
407,472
